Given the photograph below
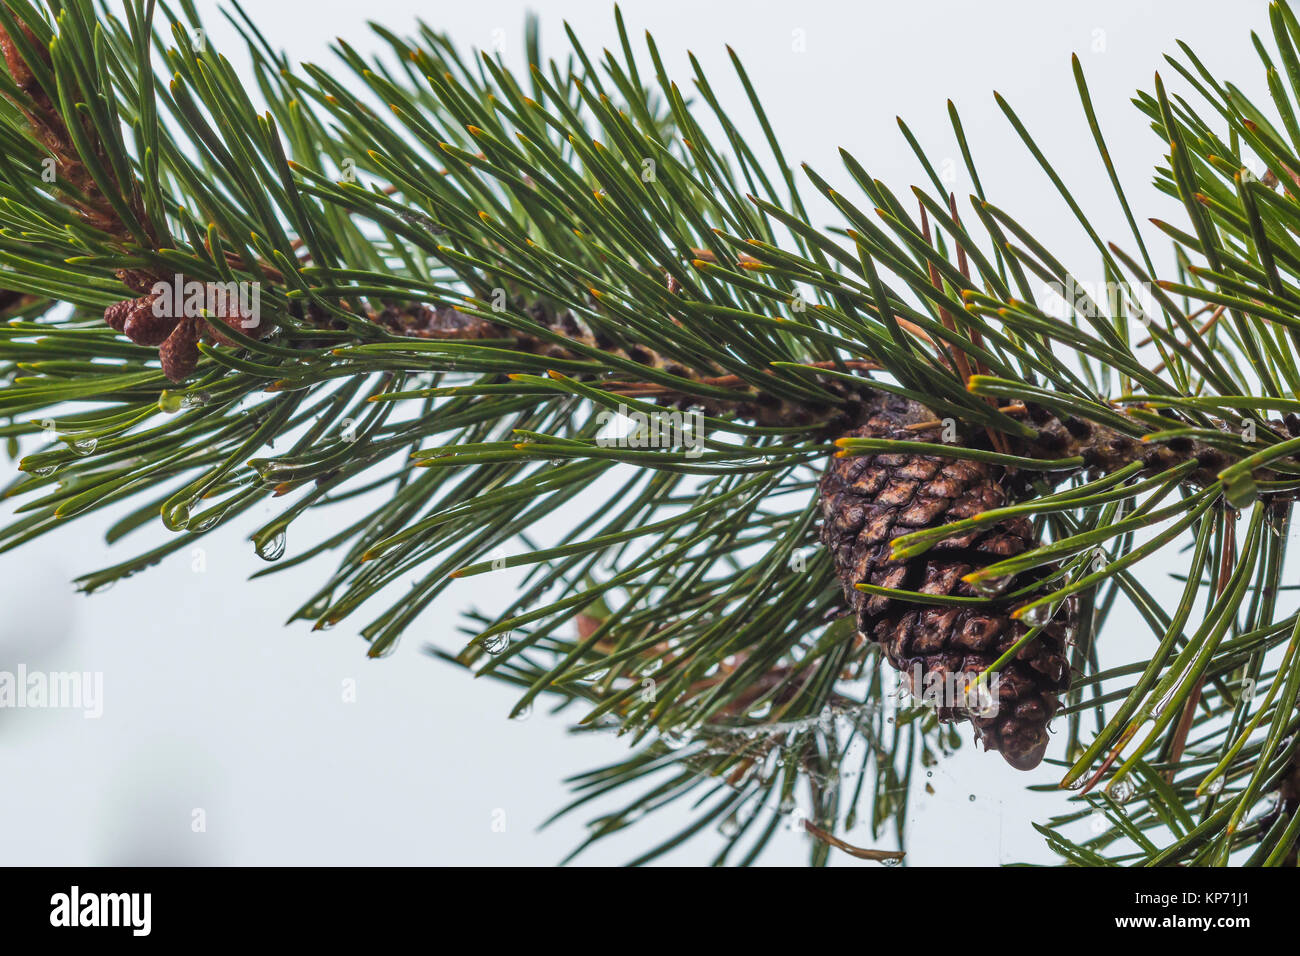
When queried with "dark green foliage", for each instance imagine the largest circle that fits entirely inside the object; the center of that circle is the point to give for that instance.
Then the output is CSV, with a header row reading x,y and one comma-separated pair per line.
x,y
592,187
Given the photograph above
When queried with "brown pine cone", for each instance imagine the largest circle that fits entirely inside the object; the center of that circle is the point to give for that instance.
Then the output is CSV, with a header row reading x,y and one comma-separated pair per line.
x,y
869,500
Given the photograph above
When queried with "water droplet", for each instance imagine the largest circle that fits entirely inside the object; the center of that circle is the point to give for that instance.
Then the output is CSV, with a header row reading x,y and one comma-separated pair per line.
x,y
729,827
33,466
206,520
86,445
177,518
992,587
1215,785
674,739
1040,615
787,805
891,861
971,798
523,713
272,548
318,607
985,704
1121,791
496,643
170,402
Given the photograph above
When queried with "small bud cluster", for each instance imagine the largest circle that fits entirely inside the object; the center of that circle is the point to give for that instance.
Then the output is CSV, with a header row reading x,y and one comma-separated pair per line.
x,y
170,316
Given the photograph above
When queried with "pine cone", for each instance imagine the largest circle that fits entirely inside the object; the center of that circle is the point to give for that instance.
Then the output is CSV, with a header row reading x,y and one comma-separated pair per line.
x,y
869,500
1287,806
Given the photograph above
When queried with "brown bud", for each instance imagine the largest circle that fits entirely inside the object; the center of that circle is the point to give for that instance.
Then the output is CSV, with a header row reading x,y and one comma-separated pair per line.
x,y
17,66
236,317
180,353
144,326
115,314
137,280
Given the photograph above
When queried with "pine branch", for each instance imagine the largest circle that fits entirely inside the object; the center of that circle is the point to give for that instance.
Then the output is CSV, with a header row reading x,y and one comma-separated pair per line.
x,y
464,274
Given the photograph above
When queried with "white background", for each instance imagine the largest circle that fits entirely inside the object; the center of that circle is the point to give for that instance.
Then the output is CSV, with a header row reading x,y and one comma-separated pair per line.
x,y
210,703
